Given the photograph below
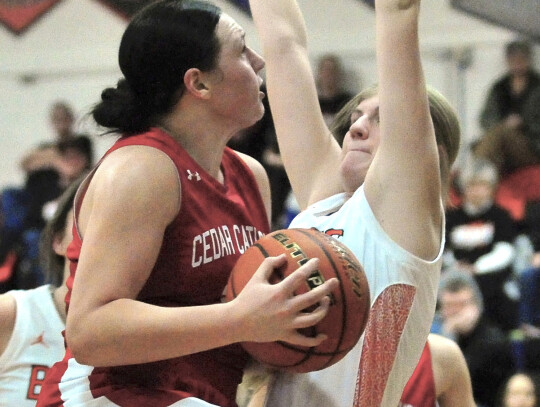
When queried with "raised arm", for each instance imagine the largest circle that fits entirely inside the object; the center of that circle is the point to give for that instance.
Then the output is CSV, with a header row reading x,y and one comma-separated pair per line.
x,y
310,154
403,184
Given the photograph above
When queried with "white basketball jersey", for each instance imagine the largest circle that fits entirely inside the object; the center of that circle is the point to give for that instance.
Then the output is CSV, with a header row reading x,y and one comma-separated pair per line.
x,y
403,291
35,345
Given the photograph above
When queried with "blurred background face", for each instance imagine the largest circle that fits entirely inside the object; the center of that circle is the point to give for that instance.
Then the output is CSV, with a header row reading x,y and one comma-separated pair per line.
x,y
478,192
518,63
452,303
329,73
62,121
520,392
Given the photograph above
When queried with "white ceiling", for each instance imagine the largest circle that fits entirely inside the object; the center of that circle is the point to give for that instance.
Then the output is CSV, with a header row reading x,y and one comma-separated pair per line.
x,y
349,25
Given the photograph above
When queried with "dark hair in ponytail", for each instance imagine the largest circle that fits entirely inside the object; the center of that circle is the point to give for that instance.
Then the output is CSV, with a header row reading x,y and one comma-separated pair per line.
x,y
163,41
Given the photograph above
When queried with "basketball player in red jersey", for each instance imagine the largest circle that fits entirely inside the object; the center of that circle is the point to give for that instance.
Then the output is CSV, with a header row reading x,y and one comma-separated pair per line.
x,y
441,377
162,219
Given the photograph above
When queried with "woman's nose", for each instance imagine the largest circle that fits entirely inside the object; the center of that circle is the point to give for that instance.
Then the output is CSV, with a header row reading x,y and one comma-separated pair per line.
x,y
360,128
257,61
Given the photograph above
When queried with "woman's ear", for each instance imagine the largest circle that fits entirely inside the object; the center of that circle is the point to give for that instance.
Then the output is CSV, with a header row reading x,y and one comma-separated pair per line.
x,y
195,82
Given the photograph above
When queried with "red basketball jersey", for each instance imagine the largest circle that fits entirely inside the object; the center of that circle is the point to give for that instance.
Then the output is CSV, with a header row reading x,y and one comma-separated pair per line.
x,y
215,225
420,389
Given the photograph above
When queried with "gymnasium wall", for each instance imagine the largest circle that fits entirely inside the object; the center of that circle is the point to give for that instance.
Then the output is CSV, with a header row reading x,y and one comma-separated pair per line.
x,y
71,53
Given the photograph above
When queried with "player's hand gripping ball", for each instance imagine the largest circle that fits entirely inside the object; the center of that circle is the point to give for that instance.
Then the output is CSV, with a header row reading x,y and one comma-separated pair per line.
x,y
349,307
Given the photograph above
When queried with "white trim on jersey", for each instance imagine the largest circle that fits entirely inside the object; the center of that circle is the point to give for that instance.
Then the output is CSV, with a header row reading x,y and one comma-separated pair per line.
x,y
75,387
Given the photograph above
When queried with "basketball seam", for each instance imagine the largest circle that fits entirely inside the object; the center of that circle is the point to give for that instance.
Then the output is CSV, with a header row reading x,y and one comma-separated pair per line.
x,y
343,296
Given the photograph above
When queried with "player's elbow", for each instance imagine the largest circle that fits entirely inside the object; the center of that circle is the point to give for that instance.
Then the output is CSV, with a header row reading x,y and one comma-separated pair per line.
x,y
81,340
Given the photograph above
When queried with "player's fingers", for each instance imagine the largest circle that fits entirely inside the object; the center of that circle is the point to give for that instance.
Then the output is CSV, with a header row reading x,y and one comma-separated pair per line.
x,y
307,319
302,301
299,276
268,266
297,338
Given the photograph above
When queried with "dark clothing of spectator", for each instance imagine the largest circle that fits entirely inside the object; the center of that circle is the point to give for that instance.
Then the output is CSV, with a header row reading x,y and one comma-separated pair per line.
x,y
488,354
502,101
471,236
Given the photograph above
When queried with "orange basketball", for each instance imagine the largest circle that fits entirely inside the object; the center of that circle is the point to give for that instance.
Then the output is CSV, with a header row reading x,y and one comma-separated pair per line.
x,y
349,309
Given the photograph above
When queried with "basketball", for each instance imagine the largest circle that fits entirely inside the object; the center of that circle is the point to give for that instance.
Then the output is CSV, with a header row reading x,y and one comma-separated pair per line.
x,y
349,306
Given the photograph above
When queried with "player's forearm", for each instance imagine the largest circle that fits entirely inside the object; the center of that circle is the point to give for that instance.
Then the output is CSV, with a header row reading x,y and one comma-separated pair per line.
x,y
127,332
397,47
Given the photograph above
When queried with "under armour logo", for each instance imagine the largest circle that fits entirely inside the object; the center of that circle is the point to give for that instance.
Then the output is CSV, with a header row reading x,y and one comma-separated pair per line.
x,y
193,174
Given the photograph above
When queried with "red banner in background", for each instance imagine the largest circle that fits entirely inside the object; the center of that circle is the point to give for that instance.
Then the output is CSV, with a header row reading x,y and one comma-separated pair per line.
x,y
126,8
18,15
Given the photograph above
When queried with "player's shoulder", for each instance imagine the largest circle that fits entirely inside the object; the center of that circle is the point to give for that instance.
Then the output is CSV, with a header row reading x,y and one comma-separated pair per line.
x,y
443,348
145,171
255,166
257,169
136,166
8,313
133,157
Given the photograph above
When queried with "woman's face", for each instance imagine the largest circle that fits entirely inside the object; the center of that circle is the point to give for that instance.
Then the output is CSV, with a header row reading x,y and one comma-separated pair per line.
x,y
236,94
478,192
520,392
360,143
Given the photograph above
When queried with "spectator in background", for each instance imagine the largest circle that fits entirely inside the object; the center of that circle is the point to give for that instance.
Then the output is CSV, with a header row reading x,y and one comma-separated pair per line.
x,y
510,116
529,307
520,390
480,236
62,121
51,167
486,349
530,276
329,79
509,94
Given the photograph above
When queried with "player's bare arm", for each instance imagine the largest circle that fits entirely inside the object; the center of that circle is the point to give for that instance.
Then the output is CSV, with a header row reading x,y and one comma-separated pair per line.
x,y
310,153
403,183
